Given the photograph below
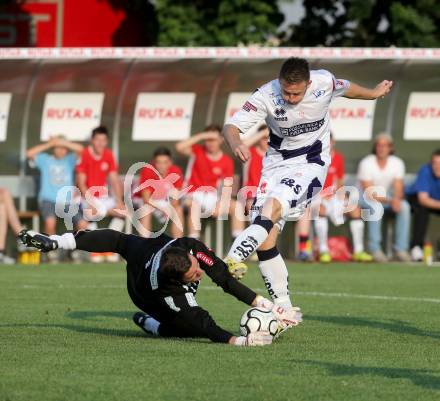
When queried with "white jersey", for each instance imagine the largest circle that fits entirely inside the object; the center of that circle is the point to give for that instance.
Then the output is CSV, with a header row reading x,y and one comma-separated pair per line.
x,y
296,131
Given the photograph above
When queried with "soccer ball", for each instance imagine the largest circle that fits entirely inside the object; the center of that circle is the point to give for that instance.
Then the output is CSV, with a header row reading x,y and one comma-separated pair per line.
x,y
258,319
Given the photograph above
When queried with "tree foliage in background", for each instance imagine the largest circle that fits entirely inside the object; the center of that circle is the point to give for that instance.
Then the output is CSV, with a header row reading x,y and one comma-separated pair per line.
x,y
217,22
403,23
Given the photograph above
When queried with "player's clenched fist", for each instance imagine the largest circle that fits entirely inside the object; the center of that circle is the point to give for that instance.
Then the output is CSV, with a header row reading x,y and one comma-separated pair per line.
x,y
383,88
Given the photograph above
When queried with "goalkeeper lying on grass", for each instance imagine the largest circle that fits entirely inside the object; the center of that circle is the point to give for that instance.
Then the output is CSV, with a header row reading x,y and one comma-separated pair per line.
x,y
163,275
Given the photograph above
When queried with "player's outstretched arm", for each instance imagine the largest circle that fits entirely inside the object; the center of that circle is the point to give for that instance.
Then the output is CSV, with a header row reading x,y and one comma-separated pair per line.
x,y
191,318
355,91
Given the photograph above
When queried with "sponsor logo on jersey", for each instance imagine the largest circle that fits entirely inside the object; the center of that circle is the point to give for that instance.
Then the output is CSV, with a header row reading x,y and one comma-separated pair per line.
x,y
280,114
248,106
318,93
204,258
302,128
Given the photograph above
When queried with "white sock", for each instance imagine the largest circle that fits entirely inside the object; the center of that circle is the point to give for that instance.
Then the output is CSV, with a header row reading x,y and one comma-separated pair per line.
x,y
195,235
247,242
93,225
117,224
357,234
276,279
321,225
152,325
65,241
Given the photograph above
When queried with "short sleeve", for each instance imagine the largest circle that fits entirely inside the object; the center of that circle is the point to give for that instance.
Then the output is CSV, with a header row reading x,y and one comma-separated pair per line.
x,y
179,183
197,149
40,160
113,166
229,168
363,173
146,174
422,181
341,167
400,169
253,111
339,86
71,160
81,167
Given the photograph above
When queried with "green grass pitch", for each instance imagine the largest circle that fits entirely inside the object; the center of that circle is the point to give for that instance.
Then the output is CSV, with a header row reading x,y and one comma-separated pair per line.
x,y
370,332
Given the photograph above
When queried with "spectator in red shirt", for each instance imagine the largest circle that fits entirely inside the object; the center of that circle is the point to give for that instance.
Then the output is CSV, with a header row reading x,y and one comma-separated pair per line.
x,y
160,189
258,145
209,169
334,206
97,166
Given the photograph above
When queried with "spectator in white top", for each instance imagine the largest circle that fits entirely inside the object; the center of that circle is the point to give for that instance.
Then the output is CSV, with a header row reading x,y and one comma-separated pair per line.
x,y
383,169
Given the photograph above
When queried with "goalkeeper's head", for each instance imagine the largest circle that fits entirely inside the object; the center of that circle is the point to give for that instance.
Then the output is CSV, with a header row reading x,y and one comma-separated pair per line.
x,y
179,265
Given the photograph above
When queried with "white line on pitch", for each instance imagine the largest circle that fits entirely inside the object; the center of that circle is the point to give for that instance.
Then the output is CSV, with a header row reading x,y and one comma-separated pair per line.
x,y
305,293
346,295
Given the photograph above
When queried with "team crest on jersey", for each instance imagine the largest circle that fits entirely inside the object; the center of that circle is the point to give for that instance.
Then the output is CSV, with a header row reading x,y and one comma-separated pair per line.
x,y
280,114
277,99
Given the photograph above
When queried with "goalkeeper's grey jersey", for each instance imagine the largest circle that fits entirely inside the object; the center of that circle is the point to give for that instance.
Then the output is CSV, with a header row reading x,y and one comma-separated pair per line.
x,y
293,127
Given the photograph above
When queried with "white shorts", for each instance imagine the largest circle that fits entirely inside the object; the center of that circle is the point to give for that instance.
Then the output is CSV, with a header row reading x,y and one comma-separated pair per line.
x,y
103,206
334,209
207,201
159,213
292,183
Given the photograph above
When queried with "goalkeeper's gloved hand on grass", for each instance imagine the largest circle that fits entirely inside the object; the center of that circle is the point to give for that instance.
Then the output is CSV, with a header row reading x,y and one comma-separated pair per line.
x,y
256,339
287,317
37,240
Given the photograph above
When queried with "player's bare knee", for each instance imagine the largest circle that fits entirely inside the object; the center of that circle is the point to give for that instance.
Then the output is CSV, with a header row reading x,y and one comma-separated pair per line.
x,y
272,209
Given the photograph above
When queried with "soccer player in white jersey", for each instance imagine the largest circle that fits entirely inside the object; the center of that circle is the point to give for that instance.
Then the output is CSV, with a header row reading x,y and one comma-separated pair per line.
x,y
295,108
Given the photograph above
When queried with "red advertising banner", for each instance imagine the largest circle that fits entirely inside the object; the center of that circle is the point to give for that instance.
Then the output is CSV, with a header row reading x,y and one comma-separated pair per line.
x,y
31,24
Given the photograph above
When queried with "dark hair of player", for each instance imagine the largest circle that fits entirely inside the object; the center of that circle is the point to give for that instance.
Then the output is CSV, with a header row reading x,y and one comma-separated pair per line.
x,y
100,130
435,153
262,127
295,70
174,263
162,151
213,127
